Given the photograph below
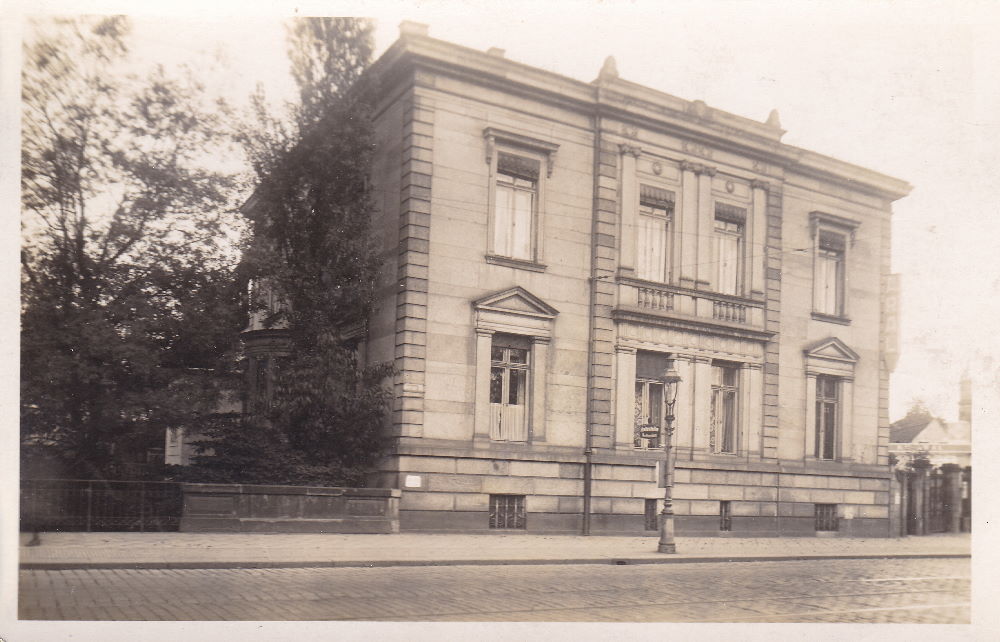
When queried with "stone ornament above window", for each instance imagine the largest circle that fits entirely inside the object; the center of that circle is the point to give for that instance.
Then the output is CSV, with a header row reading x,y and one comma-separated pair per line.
x,y
512,139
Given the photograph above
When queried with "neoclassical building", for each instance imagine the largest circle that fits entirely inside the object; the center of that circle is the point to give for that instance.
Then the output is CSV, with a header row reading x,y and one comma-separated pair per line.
x,y
552,246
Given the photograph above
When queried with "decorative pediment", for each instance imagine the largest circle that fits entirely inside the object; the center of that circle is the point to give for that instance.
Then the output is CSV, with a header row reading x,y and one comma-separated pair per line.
x,y
515,311
516,300
832,348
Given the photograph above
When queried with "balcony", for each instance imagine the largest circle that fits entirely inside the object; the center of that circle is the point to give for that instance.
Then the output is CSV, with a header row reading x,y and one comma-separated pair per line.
x,y
696,310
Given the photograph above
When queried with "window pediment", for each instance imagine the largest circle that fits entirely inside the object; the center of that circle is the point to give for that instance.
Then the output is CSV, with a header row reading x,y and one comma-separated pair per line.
x,y
516,300
832,348
830,356
516,311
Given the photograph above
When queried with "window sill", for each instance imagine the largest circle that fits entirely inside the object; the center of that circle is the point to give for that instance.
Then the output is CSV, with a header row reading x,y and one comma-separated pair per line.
x,y
518,264
831,318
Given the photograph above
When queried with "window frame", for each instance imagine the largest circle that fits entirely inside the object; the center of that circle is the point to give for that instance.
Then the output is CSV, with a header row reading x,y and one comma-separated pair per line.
x,y
825,436
506,343
643,383
844,230
543,153
729,214
717,438
656,198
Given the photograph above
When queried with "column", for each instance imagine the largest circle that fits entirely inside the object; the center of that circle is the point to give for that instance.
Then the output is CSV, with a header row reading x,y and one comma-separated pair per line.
x,y
701,402
757,238
753,375
484,343
624,397
706,229
847,420
629,206
686,235
809,432
683,408
539,385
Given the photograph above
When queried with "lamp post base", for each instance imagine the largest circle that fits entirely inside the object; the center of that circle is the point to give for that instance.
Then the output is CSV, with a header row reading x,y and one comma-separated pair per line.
x,y
666,548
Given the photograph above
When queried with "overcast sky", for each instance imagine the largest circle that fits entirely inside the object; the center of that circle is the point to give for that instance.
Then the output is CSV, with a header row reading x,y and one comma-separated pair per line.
x,y
904,88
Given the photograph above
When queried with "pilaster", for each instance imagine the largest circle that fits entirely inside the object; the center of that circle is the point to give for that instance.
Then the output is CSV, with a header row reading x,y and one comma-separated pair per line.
x,y
539,374
412,265
624,397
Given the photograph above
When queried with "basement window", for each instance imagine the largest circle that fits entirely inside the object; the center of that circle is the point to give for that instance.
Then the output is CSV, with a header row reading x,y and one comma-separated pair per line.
x,y
652,523
507,512
725,516
826,517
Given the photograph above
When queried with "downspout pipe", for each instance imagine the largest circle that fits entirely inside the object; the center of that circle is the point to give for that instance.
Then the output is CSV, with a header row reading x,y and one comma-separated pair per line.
x,y
588,450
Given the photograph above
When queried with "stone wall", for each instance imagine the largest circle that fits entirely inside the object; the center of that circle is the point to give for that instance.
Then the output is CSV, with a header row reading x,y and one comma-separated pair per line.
x,y
242,508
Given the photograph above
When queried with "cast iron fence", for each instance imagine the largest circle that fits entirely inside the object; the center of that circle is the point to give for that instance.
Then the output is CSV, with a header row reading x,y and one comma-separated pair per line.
x,y
99,505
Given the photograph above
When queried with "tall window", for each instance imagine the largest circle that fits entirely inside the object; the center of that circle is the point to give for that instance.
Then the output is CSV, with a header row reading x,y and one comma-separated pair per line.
x,y
728,247
515,203
509,388
828,294
649,401
827,416
656,208
725,395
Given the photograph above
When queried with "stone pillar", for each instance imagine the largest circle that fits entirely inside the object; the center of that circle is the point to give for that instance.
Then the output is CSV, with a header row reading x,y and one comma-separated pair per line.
x,y
484,343
684,408
954,499
920,490
539,384
757,238
754,396
846,453
701,393
686,236
629,206
809,434
706,230
624,397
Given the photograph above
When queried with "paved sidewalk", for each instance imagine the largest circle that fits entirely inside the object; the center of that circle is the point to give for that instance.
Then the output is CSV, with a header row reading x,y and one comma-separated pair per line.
x,y
244,550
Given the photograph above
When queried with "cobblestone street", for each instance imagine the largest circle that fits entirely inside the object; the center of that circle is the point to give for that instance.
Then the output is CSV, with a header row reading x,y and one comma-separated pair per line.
x,y
858,591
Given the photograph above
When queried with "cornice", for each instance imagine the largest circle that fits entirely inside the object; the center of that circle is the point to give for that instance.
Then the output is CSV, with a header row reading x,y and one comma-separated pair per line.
x,y
692,324
612,97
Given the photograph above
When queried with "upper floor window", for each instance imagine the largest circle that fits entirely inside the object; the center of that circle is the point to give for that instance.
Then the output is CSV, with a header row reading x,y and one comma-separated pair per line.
x,y
514,206
827,416
832,237
509,368
828,290
519,167
727,247
725,404
653,255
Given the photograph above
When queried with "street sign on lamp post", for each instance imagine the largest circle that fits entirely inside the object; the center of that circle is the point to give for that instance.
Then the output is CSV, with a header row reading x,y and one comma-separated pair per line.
x,y
671,381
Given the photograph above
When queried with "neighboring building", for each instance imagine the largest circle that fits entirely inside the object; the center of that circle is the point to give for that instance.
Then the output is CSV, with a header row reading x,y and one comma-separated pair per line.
x,y
942,442
934,469
552,245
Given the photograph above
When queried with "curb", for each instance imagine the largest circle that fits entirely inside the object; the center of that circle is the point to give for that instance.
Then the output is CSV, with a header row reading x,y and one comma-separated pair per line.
x,y
620,561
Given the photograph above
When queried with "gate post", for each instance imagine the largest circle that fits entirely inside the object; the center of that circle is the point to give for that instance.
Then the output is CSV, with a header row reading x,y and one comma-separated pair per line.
x,y
954,498
920,491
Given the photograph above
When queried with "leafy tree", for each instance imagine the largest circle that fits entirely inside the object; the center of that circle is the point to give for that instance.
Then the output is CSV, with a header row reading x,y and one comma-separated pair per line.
x,y
311,243
127,276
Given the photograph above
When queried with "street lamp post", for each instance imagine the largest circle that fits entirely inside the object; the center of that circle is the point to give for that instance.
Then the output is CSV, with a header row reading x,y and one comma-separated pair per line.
x,y
671,381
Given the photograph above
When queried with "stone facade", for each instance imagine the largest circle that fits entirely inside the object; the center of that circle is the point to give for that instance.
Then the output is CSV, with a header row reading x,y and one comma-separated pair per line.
x,y
527,333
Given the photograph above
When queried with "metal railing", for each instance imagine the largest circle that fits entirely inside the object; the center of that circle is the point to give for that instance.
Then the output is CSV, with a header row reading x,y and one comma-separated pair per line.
x,y
99,505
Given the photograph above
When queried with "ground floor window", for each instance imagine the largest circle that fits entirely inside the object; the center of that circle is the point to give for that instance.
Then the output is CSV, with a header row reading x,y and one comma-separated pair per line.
x,y
826,517
507,511
725,516
652,523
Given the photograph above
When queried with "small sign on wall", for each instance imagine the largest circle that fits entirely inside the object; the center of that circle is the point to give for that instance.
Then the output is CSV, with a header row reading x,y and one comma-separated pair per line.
x,y
412,481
